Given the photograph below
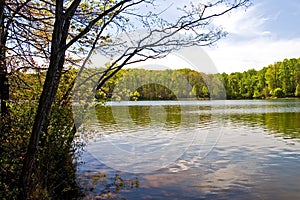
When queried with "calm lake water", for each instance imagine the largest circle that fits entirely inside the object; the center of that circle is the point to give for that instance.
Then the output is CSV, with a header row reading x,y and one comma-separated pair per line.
x,y
192,150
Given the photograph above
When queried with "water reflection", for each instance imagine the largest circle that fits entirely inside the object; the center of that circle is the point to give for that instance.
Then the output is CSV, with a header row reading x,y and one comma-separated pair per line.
x,y
145,138
257,157
282,124
277,116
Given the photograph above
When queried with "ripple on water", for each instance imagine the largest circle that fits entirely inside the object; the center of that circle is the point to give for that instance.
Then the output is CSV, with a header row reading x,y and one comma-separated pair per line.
x,y
256,156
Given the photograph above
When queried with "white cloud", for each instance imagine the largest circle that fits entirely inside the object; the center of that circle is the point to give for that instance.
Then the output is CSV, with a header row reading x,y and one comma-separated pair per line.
x,y
249,44
248,23
184,58
257,53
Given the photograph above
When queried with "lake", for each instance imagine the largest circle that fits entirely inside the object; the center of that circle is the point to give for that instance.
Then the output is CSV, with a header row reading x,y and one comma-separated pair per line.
x,y
244,149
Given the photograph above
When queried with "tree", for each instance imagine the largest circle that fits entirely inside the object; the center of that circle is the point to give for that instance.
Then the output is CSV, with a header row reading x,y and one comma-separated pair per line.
x,y
70,14
286,72
297,92
8,12
4,93
272,77
234,82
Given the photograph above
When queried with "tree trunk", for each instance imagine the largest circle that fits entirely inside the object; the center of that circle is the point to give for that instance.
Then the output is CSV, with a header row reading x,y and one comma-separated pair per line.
x,y
47,97
4,85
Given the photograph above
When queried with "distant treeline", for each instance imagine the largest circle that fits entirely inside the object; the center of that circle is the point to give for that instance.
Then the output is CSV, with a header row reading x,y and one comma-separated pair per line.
x,y
278,80
281,79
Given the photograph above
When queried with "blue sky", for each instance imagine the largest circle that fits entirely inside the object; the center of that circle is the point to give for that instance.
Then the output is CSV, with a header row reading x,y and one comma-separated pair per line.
x,y
266,32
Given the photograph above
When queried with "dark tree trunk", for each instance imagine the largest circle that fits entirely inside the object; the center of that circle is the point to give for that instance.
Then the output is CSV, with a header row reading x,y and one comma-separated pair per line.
x,y
47,97
4,85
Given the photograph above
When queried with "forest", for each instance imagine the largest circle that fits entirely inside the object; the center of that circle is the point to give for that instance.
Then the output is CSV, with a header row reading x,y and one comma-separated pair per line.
x,y
278,80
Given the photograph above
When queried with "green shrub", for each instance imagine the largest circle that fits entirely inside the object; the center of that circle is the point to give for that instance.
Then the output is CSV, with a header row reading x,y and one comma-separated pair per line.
x,y
54,174
278,92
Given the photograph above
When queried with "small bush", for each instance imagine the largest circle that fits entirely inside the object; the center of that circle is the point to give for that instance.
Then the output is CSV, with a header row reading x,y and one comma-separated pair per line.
x,y
278,92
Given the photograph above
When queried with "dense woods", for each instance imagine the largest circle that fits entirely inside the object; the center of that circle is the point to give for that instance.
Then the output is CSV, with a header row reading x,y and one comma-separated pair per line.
x,y
281,79
278,80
